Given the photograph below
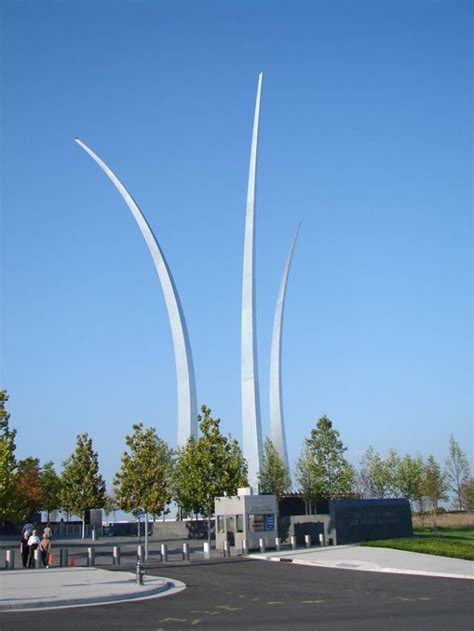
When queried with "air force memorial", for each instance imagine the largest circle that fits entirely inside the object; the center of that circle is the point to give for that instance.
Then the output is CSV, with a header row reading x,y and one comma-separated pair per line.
x,y
247,517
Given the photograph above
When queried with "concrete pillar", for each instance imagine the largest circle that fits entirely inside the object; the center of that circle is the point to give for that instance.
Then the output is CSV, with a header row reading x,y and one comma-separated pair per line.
x,y
116,555
10,560
206,548
245,546
307,541
164,552
277,543
261,543
63,557
37,558
90,557
185,551
321,539
293,542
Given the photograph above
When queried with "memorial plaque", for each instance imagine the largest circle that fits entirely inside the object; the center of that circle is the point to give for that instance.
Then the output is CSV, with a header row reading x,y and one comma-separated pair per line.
x,y
368,520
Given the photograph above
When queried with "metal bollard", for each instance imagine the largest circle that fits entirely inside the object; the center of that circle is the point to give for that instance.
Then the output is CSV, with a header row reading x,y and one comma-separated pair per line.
x,y
37,557
185,551
10,560
140,572
206,548
63,557
293,542
116,555
277,543
140,554
226,549
307,540
93,534
90,557
245,546
261,543
321,540
164,552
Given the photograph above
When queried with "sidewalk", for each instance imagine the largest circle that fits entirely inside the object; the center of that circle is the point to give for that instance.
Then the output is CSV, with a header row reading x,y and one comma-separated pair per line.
x,y
22,590
355,557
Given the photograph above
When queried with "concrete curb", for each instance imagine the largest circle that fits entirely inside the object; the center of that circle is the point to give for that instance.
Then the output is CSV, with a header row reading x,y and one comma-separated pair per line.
x,y
361,568
159,588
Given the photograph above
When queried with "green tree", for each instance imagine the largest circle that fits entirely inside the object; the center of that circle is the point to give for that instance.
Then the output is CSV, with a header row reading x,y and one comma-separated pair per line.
x,y
378,477
29,492
144,480
8,465
331,475
305,477
435,485
208,467
273,476
410,478
82,486
457,471
51,489
186,491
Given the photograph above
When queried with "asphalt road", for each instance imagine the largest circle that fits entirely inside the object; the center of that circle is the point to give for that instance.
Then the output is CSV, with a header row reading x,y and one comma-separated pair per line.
x,y
250,594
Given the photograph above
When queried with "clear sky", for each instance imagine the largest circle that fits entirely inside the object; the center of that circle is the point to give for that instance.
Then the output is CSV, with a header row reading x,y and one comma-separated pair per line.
x,y
366,131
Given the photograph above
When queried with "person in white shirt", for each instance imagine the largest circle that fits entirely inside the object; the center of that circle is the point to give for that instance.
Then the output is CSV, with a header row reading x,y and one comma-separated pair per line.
x,y
33,543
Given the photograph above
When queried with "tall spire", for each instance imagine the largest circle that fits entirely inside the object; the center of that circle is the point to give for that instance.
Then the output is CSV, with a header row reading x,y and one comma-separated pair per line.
x,y
251,424
187,412
276,398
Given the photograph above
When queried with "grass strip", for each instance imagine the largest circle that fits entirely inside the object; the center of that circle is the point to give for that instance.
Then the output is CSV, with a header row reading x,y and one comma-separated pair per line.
x,y
446,542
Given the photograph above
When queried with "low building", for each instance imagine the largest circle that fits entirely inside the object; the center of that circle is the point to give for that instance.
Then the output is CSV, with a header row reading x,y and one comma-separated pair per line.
x,y
246,517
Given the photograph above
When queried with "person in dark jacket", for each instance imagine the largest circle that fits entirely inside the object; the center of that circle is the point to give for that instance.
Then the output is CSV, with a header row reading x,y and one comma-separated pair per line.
x,y
24,548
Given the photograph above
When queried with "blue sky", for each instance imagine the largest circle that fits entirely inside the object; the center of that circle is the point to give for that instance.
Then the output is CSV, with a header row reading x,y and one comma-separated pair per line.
x,y
365,136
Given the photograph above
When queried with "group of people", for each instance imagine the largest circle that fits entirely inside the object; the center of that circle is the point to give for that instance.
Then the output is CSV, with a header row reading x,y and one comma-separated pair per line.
x,y
30,542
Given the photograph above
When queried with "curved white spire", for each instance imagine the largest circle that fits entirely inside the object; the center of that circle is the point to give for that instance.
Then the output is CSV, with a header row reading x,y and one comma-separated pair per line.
x,y
187,412
251,425
277,423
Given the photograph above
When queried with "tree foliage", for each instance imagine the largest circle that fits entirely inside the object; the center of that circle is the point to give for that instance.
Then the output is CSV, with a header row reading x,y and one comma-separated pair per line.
x,y
82,486
144,480
410,478
29,492
273,476
378,477
8,465
322,472
467,494
457,471
435,485
51,489
208,467
305,476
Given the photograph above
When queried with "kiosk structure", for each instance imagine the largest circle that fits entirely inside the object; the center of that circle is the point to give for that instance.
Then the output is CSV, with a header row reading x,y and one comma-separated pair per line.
x,y
246,517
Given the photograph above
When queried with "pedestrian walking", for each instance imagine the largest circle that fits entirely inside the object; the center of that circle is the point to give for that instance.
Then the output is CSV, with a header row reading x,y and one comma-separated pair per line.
x,y
24,548
45,548
33,543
